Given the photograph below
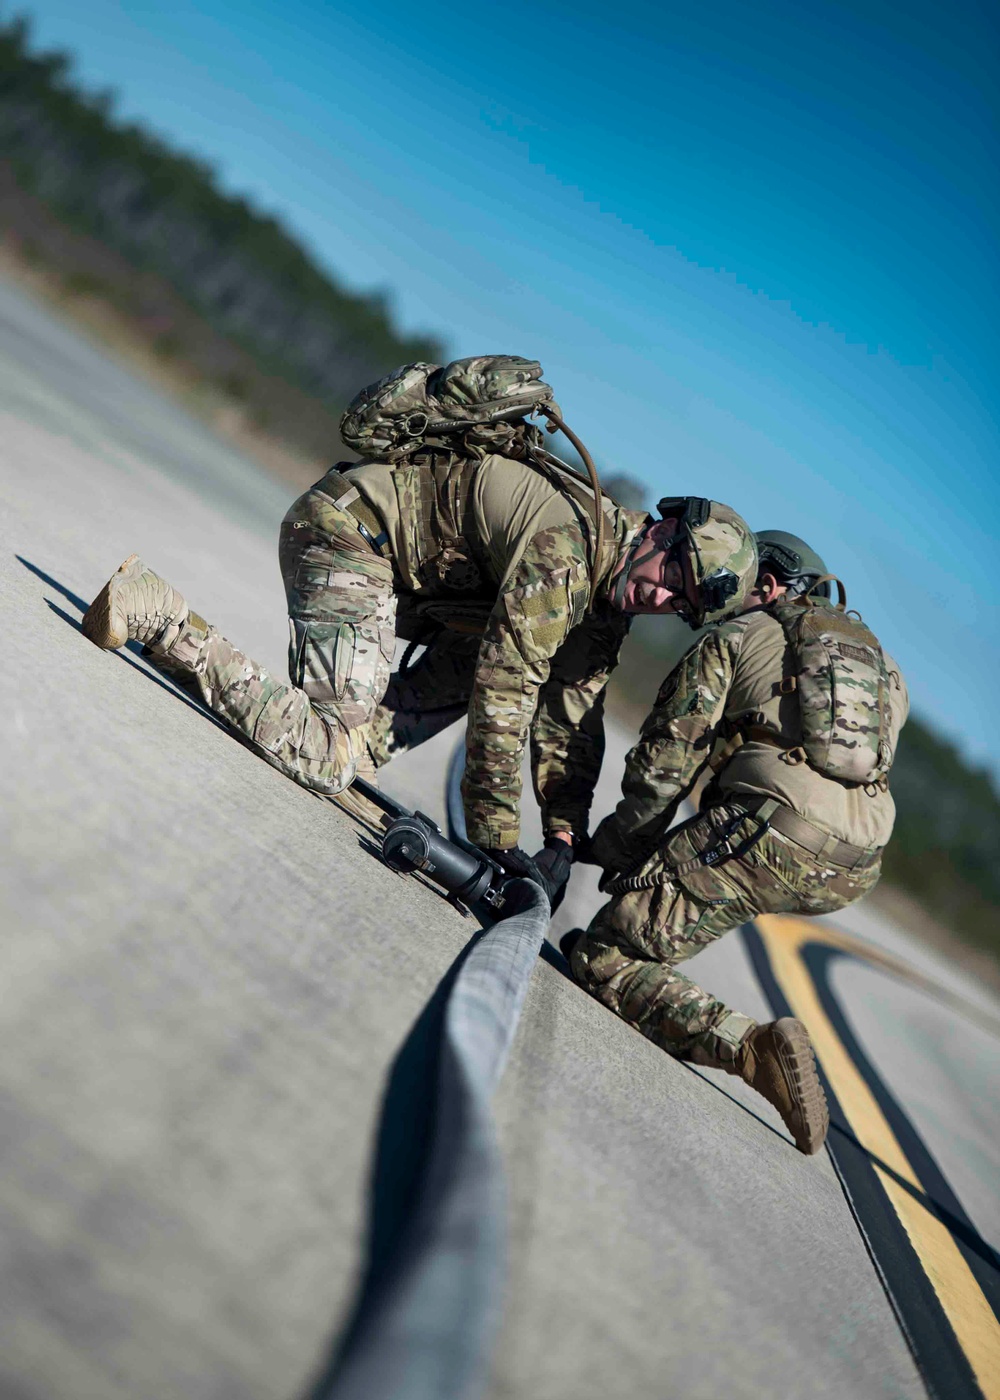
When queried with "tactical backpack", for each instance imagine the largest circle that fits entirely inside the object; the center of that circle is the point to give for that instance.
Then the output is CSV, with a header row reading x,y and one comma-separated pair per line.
x,y
842,682
471,408
422,406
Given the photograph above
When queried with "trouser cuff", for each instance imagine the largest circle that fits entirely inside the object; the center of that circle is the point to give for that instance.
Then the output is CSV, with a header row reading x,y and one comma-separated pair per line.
x,y
182,642
720,1047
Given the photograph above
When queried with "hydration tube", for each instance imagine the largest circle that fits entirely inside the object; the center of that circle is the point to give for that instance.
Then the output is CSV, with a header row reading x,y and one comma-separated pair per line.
x,y
594,482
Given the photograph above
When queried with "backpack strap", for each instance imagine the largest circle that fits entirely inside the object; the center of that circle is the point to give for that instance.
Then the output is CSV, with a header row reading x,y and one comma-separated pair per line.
x,y
805,601
595,504
752,732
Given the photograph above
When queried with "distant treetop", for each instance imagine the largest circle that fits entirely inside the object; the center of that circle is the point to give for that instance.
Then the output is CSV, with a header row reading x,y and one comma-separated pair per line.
x,y
164,210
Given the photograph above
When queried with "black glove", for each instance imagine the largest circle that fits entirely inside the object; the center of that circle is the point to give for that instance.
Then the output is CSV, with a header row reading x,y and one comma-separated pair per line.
x,y
555,861
519,865
581,852
606,879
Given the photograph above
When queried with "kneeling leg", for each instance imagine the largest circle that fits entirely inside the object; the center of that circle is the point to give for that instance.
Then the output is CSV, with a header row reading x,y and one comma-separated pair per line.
x,y
628,959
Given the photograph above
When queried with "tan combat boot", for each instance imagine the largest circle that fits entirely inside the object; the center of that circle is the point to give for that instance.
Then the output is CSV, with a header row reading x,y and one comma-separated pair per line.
x,y
777,1060
135,604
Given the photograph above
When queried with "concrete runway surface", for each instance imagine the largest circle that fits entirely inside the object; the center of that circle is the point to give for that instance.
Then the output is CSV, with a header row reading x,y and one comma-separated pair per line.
x,y
206,978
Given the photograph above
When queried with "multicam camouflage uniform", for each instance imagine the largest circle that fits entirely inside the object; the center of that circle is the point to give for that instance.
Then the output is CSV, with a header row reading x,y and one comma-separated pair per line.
x,y
667,903
485,561
460,532
341,622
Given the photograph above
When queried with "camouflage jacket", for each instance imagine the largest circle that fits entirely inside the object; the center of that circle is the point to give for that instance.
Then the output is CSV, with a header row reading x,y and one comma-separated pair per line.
x,y
543,666
495,547
732,672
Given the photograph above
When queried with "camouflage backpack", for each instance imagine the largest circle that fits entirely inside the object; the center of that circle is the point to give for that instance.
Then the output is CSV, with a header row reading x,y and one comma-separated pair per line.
x,y
477,401
842,682
469,409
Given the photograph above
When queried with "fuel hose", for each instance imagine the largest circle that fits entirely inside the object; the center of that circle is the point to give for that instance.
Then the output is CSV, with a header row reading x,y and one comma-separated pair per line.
x,y
429,1331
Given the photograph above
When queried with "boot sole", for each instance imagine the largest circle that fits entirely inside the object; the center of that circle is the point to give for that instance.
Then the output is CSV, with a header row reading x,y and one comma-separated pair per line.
x,y
798,1063
97,624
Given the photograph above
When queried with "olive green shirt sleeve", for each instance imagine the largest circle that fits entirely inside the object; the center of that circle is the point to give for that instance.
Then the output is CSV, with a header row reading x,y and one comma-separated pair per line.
x,y
675,743
542,601
567,734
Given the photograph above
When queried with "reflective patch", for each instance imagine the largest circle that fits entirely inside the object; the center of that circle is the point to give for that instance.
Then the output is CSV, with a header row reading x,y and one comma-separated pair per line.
x,y
578,602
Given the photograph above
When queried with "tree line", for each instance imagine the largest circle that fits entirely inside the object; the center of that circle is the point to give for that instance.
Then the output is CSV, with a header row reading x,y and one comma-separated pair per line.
x,y
163,210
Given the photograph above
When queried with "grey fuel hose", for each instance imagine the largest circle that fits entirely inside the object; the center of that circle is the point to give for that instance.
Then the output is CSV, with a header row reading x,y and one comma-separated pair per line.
x,y
430,1329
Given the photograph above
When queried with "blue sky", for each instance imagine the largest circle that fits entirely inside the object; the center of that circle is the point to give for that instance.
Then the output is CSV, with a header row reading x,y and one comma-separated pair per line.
x,y
753,246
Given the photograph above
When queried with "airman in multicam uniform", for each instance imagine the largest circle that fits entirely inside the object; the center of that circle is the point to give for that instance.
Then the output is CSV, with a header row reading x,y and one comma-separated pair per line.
x,y
796,708
459,532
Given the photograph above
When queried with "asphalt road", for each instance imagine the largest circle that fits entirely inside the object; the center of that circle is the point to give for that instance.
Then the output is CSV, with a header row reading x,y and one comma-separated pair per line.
x,y
206,978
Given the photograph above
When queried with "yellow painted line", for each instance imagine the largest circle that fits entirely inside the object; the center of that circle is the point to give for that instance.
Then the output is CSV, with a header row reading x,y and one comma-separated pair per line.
x,y
964,1304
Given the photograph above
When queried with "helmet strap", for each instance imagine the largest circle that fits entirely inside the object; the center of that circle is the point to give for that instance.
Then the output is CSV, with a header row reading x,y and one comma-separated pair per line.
x,y
631,558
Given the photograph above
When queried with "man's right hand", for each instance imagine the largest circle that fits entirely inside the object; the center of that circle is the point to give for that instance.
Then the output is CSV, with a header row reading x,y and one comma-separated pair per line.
x,y
602,850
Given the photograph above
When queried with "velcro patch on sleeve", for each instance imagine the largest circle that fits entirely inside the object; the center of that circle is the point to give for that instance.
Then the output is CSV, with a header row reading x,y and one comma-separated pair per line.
x,y
548,600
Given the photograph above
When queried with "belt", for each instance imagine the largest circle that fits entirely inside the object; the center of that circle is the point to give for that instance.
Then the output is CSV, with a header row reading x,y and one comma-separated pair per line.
x,y
771,815
812,838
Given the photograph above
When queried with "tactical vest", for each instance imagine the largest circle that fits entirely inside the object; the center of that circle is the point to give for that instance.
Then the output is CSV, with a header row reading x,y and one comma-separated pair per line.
x,y
441,548
423,415
840,678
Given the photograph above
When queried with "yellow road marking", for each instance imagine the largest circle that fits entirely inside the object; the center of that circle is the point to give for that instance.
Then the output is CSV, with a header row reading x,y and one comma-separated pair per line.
x,y
964,1304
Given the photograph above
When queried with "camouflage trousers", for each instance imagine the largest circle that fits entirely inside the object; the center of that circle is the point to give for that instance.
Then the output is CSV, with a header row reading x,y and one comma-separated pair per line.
x,y
658,918
343,709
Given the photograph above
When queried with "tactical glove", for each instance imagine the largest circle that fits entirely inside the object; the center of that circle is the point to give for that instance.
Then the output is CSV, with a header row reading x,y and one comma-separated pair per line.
x,y
555,861
605,849
519,865
606,856
582,854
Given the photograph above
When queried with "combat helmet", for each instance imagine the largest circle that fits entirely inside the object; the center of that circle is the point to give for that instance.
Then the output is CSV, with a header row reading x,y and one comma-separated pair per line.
x,y
792,562
719,548
482,400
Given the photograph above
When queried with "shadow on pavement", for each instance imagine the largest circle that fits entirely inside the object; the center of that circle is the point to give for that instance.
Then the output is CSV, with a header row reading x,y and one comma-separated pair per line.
x,y
735,1102
402,1145
961,1230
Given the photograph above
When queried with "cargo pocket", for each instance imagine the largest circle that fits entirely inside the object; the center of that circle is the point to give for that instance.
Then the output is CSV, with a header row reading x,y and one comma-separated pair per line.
x,y
347,642
313,571
705,882
323,655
